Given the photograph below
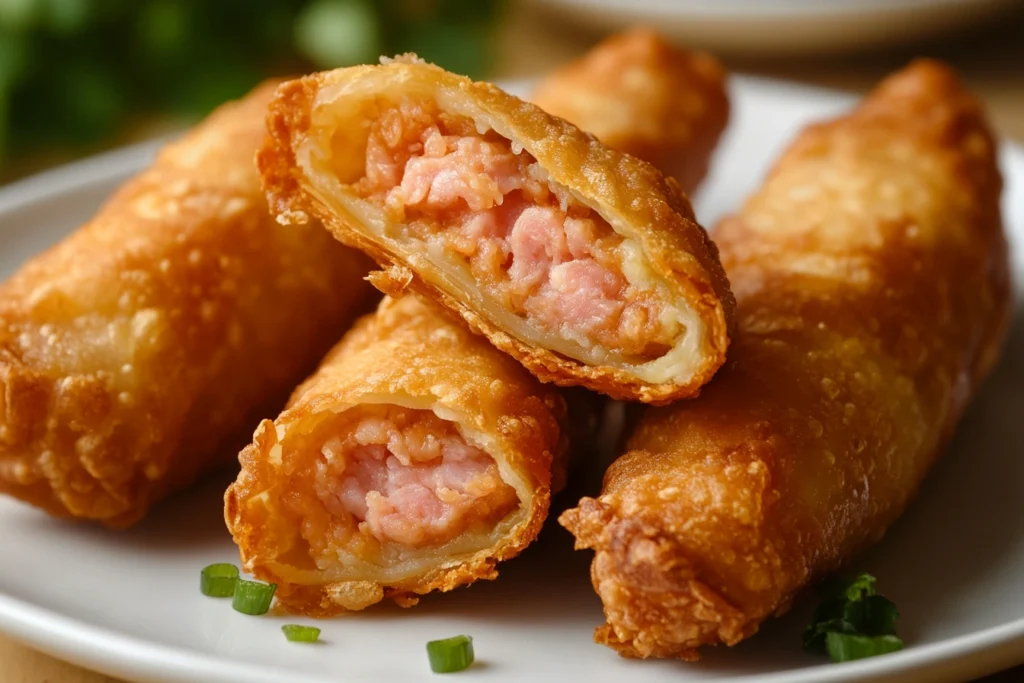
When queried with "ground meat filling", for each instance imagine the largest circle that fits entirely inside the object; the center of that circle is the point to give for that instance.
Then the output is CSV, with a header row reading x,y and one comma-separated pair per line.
x,y
528,244
407,477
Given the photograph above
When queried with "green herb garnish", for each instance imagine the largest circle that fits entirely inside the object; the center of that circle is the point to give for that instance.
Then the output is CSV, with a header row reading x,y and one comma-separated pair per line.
x,y
218,580
845,647
297,633
852,622
253,597
451,654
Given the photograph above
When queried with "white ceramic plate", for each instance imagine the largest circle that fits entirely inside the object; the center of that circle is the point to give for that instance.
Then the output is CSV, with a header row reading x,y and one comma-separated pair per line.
x,y
128,603
784,26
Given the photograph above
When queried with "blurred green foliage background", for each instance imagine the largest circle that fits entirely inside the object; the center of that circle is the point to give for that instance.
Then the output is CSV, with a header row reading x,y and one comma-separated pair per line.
x,y
75,73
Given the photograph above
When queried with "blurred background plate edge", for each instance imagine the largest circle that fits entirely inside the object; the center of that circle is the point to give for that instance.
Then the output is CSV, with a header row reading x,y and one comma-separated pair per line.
x,y
783,27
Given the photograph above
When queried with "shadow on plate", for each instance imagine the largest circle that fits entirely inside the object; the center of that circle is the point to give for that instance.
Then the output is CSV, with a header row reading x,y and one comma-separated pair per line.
x,y
190,520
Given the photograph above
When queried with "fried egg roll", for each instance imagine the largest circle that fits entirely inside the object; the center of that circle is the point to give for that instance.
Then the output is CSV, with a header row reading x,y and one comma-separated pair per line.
x,y
134,352
415,459
640,95
583,263
872,281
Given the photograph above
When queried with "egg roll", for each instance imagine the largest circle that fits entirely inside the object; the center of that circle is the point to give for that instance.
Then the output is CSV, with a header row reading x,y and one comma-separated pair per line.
x,y
643,96
584,264
873,296
136,351
415,459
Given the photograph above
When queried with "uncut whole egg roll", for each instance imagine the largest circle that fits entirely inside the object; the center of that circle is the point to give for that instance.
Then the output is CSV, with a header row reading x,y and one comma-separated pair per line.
x,y
640,95
415,459
133,352
583,263
873,296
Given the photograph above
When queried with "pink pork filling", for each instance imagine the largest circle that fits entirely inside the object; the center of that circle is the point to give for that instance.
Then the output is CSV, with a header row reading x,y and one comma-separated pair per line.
x,y
408,477
528,244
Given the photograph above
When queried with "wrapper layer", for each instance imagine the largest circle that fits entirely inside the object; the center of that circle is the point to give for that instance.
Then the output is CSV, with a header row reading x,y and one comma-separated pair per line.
x,y
873,295
583,263
415,459
641,95
135,351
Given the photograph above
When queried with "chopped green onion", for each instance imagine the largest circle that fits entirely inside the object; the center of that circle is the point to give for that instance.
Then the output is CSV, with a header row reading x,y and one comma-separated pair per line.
x,y
451,654
253,597
218,580
296,633
845,647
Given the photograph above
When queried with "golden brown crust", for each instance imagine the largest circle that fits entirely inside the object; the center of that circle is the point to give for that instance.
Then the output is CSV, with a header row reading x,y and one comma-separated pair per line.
x,y
640,95
873,296
631,194
408,353
136,350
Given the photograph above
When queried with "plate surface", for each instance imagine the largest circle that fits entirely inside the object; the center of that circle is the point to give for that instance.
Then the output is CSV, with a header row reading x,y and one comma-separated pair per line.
x,y
784,26
128,604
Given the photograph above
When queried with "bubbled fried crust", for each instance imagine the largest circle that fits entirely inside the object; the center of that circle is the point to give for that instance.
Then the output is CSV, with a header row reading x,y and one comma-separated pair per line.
x,y
134,353
872,281
408,351
640,95
649,207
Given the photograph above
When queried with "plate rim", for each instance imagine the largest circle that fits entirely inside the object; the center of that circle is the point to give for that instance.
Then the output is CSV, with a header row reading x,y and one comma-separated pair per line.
x,y
110,652
115,653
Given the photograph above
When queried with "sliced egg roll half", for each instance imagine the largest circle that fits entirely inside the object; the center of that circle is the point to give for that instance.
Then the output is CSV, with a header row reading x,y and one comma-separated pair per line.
x,y
415,459
583,263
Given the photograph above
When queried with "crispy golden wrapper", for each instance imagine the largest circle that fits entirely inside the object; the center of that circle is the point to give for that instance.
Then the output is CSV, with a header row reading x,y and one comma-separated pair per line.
x,y
413,357
873,294
643,96
291,511
133,352
633,304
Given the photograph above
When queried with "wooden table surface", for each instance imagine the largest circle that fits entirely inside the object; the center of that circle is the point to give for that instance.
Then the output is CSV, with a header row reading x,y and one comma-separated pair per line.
x,y
991,59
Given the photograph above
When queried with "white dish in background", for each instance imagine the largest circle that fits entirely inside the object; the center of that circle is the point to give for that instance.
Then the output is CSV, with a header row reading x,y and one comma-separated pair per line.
x,y
128,603
784,26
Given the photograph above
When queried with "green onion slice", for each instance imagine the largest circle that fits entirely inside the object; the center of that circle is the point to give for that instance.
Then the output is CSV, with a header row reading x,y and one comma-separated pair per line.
x,y
218,580
845,647
451,654
253,597
296,633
